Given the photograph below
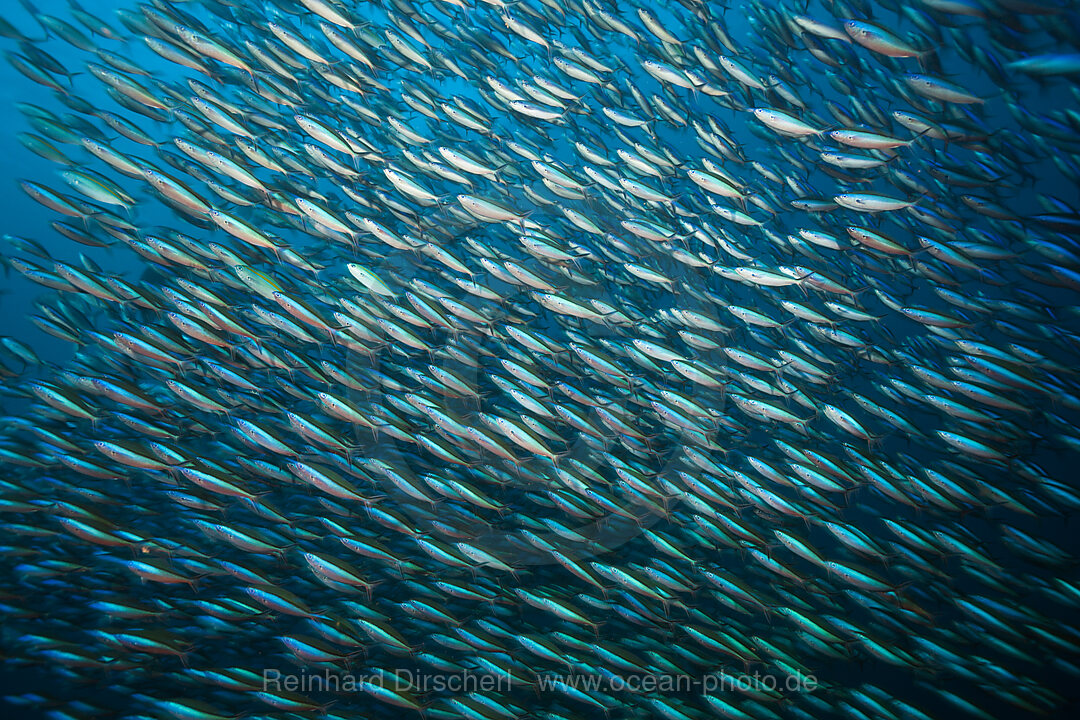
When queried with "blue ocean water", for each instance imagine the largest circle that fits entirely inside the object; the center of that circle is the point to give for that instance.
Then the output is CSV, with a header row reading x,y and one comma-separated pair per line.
x,y
22,217
27,219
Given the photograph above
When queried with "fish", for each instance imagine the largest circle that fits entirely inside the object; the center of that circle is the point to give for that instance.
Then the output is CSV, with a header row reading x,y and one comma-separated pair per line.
x,y
543,359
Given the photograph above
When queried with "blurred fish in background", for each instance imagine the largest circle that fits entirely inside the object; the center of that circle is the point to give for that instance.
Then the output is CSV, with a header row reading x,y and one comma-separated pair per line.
x,y
545,359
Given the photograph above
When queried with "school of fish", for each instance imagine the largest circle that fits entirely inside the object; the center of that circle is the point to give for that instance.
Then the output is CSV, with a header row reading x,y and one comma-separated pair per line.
x,y
548,340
